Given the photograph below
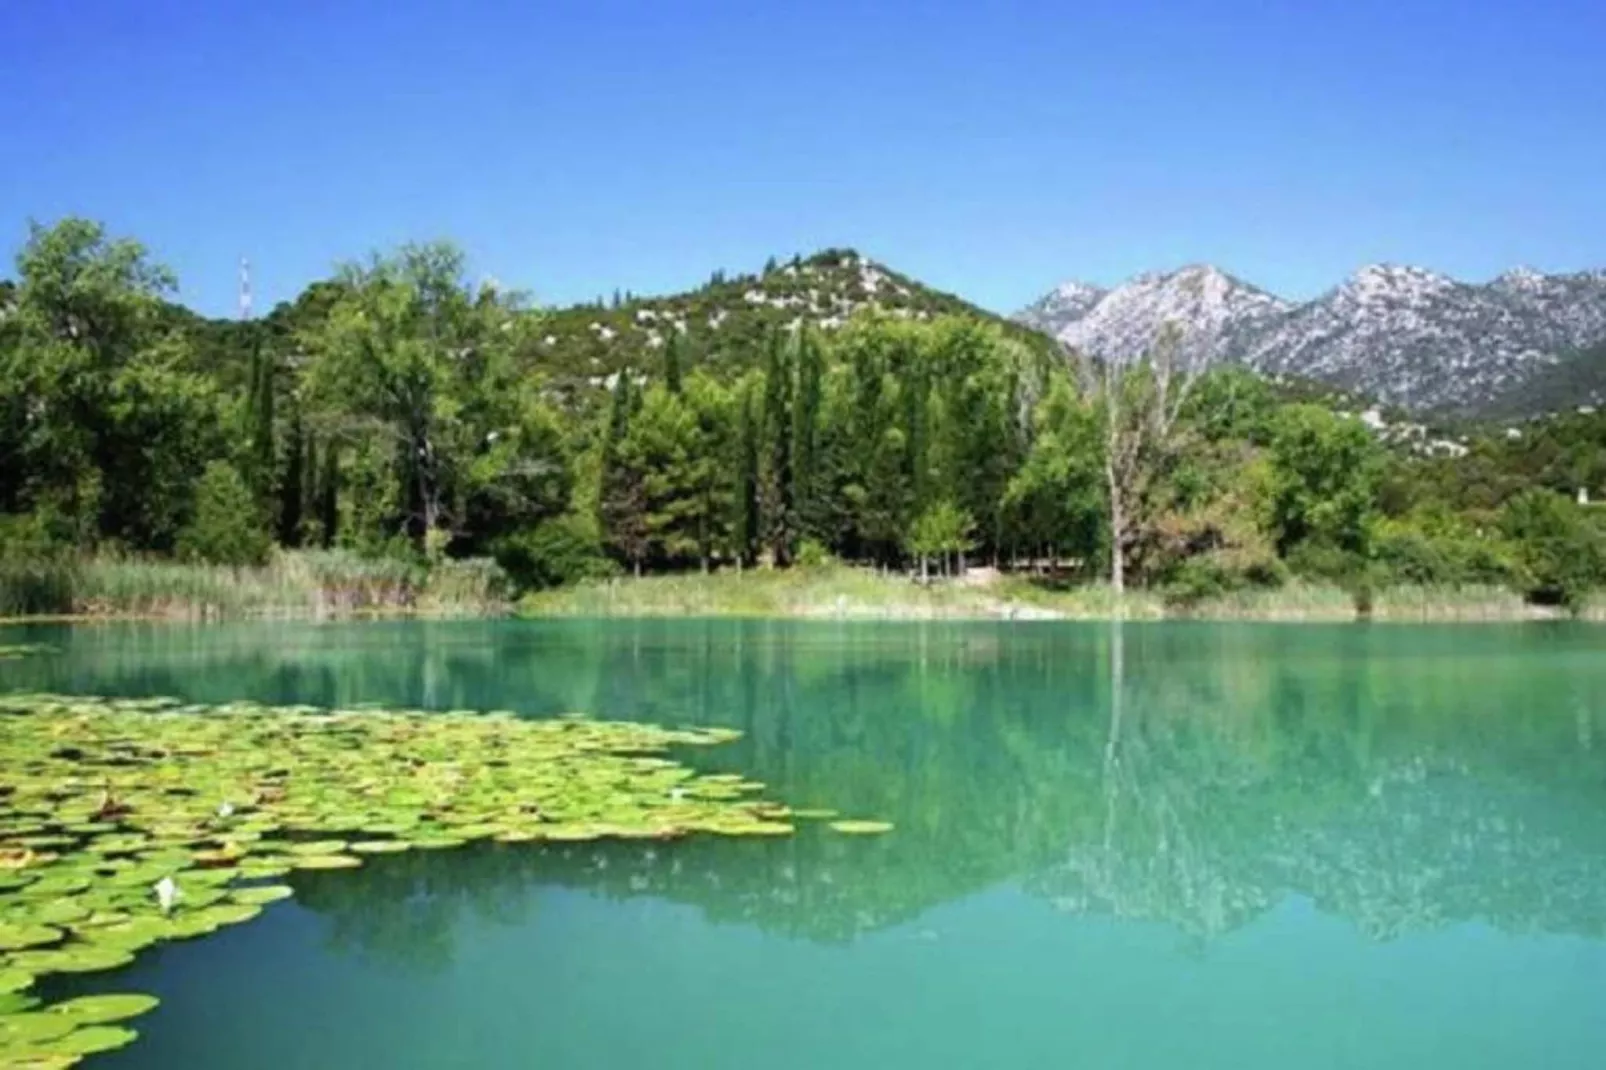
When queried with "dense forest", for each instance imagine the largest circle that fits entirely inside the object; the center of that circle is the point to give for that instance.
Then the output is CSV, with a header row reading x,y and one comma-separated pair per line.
x,y
396,414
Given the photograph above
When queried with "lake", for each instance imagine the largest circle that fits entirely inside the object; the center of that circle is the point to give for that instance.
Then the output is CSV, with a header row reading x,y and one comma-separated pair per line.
x,y
1152,845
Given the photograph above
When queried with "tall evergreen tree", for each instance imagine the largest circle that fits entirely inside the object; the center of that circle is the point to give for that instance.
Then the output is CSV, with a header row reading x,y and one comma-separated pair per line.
x,y
672,369
263,449
292,491
745,523
806,438
623,501
779,520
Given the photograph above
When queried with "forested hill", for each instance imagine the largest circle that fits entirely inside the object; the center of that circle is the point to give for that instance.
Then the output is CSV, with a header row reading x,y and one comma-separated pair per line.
x,y
400,412
726,321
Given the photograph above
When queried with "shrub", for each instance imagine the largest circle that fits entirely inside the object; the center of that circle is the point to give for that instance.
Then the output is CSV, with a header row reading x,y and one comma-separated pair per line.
x,y
564,550
1405,555
813,554
1220,573
468,584
227,529
1323,561
1561,553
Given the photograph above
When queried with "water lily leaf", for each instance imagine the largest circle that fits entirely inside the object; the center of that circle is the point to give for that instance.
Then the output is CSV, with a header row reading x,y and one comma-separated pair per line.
x,y
861,828
14,980
233,913
40,1061
58,884
75,958
316,847
113,1007
29,1028
14,937
378,847
59,911
14,1002
261,895
93,1040
519,835
131,935
326,862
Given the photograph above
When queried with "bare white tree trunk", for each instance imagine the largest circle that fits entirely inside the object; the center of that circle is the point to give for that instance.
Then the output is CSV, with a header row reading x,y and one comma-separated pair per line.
x,y
1117,532
1140,416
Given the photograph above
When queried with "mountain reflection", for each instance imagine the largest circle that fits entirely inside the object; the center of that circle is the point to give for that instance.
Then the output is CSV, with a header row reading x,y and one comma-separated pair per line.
x,y
1401,778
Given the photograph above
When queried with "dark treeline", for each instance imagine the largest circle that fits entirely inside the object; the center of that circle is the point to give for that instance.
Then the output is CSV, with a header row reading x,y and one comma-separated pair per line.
x,y
397,411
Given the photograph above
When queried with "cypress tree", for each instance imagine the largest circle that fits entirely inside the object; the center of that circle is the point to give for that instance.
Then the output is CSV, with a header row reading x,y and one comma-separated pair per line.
x,y
805,437
779,520
291,489
261,423
672,369
622,504
746,520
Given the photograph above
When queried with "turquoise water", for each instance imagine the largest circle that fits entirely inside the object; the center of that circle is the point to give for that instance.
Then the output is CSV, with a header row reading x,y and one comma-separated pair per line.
x,y
1178,845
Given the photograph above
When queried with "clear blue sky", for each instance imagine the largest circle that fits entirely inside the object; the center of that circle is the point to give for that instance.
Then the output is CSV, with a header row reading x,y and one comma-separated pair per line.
x,y
992,149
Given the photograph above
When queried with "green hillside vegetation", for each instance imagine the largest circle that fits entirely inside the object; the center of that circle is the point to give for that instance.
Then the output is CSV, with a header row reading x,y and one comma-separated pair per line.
x,y
396,438
723,324
1577,378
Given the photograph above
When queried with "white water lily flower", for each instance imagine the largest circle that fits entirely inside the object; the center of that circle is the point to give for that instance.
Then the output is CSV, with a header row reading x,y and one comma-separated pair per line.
x,y
167,893
225,809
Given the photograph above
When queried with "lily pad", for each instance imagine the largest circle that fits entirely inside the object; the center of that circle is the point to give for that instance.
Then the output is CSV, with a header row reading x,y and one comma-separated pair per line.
x,y
263,895
14,980
861,828
93,1040
15,1002
316,847
14,937
30,1028
378,847
326,862
74,958
97,1010
62,911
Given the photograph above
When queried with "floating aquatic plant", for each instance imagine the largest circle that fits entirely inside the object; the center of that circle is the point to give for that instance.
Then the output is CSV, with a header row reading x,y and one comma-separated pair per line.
x,y
861,828
126,823
13,651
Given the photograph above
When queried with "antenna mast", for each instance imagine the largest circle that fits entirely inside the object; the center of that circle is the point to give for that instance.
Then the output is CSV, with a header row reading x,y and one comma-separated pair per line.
x,y
245,289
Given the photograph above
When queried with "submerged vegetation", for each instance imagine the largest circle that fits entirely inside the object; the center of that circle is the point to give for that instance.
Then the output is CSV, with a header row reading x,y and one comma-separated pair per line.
x,y
398,437
132,822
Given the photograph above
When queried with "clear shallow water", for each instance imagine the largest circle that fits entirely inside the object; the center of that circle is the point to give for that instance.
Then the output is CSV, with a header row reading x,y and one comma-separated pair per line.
x,y
1244,846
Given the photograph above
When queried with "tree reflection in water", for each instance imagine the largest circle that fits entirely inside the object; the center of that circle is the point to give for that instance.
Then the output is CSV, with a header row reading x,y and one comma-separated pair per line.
x,y
1399,777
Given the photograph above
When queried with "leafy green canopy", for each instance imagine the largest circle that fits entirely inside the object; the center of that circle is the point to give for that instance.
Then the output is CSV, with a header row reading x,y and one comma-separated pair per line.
x,y
398,410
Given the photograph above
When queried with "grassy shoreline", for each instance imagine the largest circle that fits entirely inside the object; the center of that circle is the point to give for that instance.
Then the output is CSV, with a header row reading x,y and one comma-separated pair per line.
x,y
314,586
859,594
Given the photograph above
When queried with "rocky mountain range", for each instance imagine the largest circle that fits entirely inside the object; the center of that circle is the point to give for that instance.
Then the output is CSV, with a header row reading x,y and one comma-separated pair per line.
x,y
1403,335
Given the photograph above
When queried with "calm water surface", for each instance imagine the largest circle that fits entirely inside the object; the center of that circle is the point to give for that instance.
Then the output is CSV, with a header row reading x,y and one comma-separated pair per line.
x,y
1168,845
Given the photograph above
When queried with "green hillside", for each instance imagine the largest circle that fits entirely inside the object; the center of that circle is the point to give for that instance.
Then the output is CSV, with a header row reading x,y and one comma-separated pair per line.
x,y
1578,378
725,321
